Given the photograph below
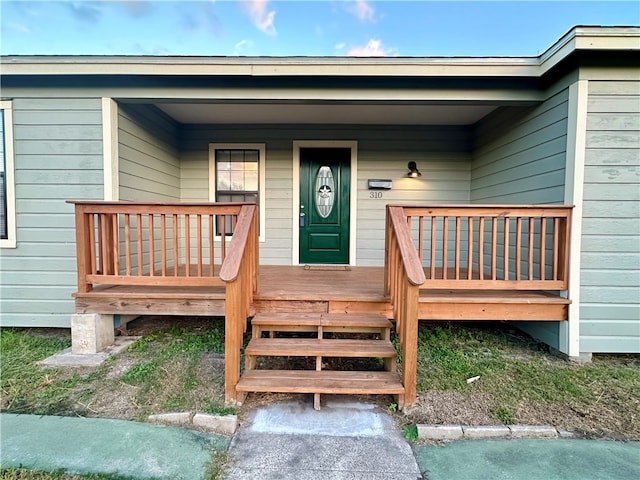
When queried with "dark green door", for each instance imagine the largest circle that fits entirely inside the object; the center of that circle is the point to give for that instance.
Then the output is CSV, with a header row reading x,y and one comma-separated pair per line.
x,y
325,178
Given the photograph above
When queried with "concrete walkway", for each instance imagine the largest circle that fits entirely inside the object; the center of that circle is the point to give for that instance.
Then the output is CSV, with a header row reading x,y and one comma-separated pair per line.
x,y
344,440
97,445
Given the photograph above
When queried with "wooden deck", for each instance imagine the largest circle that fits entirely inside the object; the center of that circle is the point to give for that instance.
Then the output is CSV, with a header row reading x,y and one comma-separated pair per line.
x,y
299,289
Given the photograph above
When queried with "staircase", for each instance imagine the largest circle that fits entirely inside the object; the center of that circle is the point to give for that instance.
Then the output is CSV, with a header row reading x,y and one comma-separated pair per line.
x,y
325,338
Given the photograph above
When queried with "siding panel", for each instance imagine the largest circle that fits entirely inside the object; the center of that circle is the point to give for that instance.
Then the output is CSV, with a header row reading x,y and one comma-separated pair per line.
x,y
610,280
58,156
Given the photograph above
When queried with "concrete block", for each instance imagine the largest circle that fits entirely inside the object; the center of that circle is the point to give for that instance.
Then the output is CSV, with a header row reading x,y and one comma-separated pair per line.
x,y
582,358
225,425
181,419
533,431
486,431
91,332
440,432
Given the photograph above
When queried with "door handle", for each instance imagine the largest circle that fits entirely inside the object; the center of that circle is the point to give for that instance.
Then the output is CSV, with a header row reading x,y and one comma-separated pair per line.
x,y
302,219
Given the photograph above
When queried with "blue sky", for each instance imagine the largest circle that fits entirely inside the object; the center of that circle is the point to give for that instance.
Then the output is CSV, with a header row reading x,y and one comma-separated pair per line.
x,y
277,28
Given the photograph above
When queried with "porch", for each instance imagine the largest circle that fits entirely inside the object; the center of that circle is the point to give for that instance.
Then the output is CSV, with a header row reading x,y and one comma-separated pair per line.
x,y
463,262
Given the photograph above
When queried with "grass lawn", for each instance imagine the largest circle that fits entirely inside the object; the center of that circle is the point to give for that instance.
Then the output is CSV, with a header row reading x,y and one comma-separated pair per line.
x,y
471,374
477,374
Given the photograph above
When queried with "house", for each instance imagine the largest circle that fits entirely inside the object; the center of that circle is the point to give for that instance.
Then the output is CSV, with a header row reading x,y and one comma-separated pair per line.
x,y
513,147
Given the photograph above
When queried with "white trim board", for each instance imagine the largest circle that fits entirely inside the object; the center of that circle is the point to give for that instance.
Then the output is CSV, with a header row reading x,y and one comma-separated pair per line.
x,y
10,181
110,153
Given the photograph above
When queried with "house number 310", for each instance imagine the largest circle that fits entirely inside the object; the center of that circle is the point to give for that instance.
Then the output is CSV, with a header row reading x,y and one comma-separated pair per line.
x,y
375,194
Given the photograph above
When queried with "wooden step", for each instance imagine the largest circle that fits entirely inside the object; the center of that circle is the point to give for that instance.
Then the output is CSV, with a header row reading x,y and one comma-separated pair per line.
x,y
313,347
330,322
325,381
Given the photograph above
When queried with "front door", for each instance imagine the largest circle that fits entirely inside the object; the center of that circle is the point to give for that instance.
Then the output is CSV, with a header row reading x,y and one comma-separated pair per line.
x,y
325,178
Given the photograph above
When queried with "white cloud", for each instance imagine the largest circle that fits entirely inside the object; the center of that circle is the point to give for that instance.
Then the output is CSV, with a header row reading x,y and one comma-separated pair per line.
x,y
260,15
240,48
362,10
373,48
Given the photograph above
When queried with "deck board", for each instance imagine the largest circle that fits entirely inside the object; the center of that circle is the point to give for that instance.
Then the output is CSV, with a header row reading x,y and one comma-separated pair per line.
x,y
353,290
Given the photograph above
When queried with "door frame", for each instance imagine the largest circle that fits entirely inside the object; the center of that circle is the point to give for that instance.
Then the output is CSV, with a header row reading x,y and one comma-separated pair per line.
x,y
353,191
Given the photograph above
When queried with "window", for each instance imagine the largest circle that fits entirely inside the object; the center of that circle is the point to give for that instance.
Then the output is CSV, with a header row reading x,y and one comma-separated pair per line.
x,y
7,192
237,175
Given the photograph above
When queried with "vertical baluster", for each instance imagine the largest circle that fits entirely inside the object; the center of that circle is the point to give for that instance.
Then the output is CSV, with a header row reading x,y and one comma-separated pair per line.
x,y
152,253
506,248
223,239
530,269
199,233
116,244
494,247
163,241
140,254
421,239
457,247
432,253
481,248
175,245
543,247
104,244
211,246
127,243
556,246
518,248
92,242
470,248
187,247
445,246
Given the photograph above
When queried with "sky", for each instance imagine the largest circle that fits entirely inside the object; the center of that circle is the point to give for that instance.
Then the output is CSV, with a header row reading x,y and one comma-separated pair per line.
x,y
298,28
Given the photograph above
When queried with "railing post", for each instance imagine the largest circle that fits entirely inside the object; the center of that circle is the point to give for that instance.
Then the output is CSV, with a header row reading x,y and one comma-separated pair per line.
x,y
233,338
83,252
410,343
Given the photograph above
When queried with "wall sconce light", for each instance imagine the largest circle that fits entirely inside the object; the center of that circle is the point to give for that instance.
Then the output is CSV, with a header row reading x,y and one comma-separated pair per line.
x,y
413,170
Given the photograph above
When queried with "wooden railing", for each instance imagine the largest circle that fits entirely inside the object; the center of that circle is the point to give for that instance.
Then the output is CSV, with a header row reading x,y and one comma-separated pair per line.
x,y
240,273
403,277
194,244
506,247
131,243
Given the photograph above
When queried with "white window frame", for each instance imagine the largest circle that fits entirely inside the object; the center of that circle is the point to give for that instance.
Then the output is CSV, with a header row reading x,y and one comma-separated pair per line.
x,y
10,191
261,176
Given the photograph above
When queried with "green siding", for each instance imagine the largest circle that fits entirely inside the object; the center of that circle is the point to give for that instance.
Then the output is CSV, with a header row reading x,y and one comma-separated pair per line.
x,y
610,261
58,156
520,158
149,165
383,152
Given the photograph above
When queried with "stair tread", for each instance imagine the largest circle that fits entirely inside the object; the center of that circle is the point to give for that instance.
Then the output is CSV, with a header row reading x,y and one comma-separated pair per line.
x,y
324,319
324,381
312,347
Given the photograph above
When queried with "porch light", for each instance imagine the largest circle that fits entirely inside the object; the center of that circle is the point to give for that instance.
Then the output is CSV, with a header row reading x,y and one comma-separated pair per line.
x,y
413,170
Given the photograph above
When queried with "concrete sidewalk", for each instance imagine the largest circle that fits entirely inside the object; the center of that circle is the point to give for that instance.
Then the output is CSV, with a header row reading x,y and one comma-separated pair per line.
x,y
97,445
558,459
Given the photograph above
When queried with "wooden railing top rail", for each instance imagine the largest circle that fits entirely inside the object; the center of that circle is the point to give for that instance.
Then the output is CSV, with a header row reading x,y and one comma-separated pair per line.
x,y
487,210
408,252
231,266
193,208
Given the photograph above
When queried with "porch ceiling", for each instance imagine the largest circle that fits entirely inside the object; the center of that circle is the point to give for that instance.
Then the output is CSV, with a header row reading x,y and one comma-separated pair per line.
x,y
314,113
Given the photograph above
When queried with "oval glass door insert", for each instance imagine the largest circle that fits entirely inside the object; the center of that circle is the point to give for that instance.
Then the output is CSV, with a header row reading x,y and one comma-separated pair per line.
x,y
325,191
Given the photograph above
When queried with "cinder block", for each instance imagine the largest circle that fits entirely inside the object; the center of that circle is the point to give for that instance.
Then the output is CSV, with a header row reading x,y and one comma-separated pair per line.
x,y
224,424
91,332
175,418
440,432
486,431
533,431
